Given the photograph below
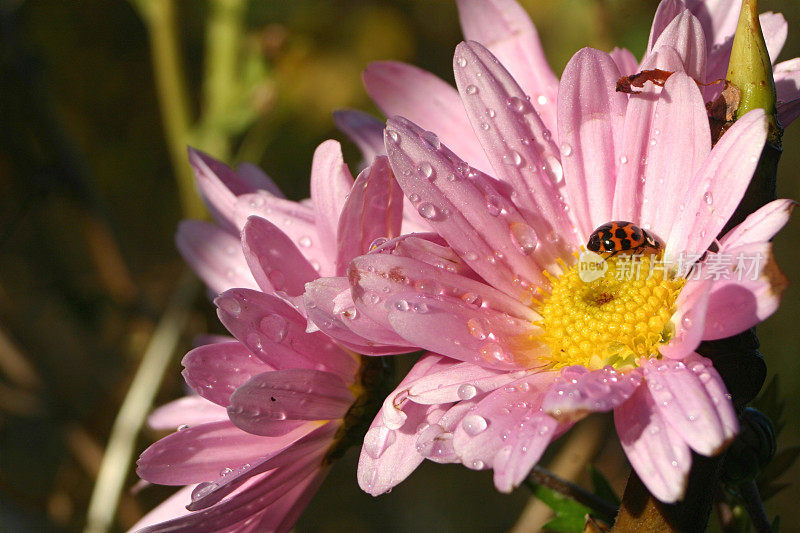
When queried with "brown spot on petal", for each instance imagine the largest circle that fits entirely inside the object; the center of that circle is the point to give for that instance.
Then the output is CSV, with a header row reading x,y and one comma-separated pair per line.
x,y
774,276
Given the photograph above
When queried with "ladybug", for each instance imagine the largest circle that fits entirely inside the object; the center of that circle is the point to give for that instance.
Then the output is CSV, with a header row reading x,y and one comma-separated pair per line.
x,y
621,236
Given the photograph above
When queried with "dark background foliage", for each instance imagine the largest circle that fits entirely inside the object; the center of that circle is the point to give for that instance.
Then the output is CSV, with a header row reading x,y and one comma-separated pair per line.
x,y
89,206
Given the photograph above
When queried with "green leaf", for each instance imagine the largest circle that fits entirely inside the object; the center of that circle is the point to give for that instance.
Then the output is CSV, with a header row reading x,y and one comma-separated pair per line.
x,y
601,487
570,515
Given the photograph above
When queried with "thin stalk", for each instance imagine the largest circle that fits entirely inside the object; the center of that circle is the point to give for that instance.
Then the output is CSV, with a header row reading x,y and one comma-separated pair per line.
x,y
160,17
755,507
158,356
540,476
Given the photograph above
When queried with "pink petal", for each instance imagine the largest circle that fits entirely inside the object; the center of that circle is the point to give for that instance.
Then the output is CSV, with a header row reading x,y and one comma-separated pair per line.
x,y
625,60
775,30
281,515
199,453
186,411
376,277
215,370
718,17
718,185
255,179
505,29
462,381
483,432
215,255
219,185
679,144
288,394
692,398
172,507
520,149
665,13
429,248
466,210
393,405
390,453
331,182
276,333
276,263
329,305
435,441
295,219
408,91
789,111
760,226
640,118
301,457
363,129
787,86
523,449
577,392
373,210
689,319
747,293
590,129
685,34
655,450
451,327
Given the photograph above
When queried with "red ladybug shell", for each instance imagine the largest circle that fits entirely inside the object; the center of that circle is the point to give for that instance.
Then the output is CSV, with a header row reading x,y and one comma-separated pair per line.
x,y
621,236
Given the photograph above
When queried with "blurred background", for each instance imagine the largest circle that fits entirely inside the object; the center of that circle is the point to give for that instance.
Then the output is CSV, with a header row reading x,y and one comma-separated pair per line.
x,y
94,179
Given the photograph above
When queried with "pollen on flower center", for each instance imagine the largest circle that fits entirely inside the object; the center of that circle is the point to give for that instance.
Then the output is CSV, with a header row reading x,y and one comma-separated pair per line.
x,y
613,320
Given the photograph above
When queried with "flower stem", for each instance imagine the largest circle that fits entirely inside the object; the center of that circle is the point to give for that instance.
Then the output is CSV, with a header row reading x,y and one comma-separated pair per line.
x,y
160,351
160,17
755,507
540,476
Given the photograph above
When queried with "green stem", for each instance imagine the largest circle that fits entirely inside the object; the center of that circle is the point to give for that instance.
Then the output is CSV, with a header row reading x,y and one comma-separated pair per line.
x,y
161,20
223,52
541,476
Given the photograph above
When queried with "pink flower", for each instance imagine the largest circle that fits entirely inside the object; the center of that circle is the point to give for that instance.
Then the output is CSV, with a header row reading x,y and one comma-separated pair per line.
x,y
539,345
700,32
273,406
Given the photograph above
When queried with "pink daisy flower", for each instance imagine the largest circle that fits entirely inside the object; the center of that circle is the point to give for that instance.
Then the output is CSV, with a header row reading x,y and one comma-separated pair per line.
x,y
276,405
700,32
540,346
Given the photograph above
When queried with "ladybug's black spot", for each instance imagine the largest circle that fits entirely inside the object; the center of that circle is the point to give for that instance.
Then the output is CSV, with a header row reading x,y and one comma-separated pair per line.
x,y
625,244
621,233
636,237
608,245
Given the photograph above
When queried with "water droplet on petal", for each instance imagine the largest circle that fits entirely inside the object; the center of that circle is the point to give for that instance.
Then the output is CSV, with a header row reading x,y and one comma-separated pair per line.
x,y
491,113
471,89
493,205
230,305
542,99
426,170
380,241
427,210
566,149
304,241
517,104
432,139
467,391
393,136
474,424
225,471
623,159
524,237
470,256
274,327
512,158
183,427
461,62
377,440
202,490
402,305
709,199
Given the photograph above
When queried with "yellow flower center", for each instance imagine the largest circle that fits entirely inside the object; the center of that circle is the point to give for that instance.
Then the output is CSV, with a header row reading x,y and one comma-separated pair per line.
x,y
615,319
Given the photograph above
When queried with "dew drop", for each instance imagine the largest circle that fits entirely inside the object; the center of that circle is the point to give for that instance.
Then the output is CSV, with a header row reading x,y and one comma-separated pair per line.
x,y
467,391
566,149
512,158
470,256
413,197
202,490
708,198
461,62
426,170
524,237
304,241
402,305
393,136
491,113
493,205
377,440
230,305
484,126
471,89
183,427
542,99
432,139
623,159
225,471
474,424
476,329
477,464
517,104
274,327
427,210
380,241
